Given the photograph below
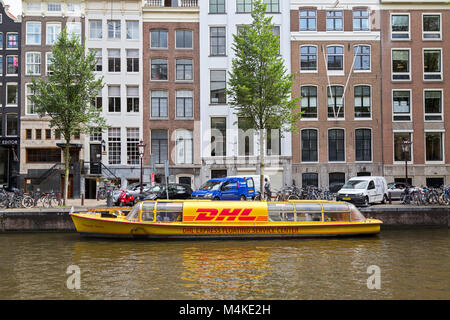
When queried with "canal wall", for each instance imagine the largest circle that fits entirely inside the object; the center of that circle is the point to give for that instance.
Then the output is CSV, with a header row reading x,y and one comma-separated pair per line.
x,y
59,220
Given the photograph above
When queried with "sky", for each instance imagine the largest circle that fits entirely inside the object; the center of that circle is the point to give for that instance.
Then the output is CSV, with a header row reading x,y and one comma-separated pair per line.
x,y
15,6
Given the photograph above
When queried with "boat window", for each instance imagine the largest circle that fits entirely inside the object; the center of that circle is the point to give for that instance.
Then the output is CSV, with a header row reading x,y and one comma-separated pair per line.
x,y
147,211
355,214
281,212
308,212
169,211
336,207
134,213
336,216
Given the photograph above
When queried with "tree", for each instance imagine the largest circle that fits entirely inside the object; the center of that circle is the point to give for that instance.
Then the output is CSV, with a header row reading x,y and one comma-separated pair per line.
x,y
66,95
259,86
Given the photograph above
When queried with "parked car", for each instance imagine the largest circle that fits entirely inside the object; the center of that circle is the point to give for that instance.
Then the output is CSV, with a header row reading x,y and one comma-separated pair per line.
x,y
364,190
231,188
396,190
176,191
133,189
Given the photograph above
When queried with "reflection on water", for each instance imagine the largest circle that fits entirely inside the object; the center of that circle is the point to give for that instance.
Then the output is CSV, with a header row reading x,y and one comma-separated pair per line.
x,y
414,264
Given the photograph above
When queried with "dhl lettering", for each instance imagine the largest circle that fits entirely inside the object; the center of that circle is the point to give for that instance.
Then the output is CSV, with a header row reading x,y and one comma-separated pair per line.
x,y
227,214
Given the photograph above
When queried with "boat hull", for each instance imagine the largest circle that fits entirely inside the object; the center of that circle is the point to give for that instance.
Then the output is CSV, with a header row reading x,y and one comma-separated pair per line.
x,y
120,228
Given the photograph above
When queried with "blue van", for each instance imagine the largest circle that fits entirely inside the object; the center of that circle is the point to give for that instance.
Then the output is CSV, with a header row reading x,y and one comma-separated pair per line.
x,y
227,189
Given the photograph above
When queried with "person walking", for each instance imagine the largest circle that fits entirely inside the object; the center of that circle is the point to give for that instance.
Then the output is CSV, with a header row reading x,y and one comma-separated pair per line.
x,y
267,193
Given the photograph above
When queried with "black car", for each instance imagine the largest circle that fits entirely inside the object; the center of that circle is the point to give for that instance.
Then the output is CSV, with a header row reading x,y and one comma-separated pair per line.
x,y
176,191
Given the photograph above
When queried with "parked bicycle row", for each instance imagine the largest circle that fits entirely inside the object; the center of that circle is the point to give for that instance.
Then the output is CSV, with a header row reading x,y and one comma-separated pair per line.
x,y
18,199
426,195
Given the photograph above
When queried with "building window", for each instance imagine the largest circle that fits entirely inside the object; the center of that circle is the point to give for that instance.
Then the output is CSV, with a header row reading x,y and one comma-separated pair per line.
x,y
33,65
310,145
309,102
399,155
433,105
95,135
185,104
12,40
336,145
183,39
30,107
49,62
273,6
97,102
218,136
114,29
74,30
11,94
44,155
335,58
362,102
48,134
363,145
335,181
95,29
431,26
401,64
38,133
434,146
12,65
184,71
307,20
54,7
158,39
308,58
335,20
53,31
432,64
114,99
73,7
401,105
185,147
400,26
28,134
335,102
159,145
11,124
245,139
310,180
132,30
362,58
217,41
244,6
1,67
132,99
33,36
132,145
99,59
132,60
216,6
114,146
159,69
273,142
114,60
360,20
159,104
218,84
33,6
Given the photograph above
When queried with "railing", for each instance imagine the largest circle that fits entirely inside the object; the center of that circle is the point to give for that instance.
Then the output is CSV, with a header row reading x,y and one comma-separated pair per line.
x,y
179,3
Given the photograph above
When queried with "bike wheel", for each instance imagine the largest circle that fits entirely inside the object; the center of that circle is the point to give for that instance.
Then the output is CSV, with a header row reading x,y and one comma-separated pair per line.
x,y
293,197
27,202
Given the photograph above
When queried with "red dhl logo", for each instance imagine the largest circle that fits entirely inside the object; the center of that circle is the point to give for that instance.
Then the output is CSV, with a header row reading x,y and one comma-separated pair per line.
x,y
227,214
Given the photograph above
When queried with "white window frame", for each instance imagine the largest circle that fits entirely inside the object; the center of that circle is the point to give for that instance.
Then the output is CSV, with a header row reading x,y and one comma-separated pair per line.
x,y
400,32
343,101
335,72
432,32
371,101
126,33
317,102
27,85
27,70
159,105
117,32
370,57
410,105
184,133
401,73
115,97
54,6
411,150
27,33
442,132
72,26
6,65
192,42
56,34
90,29
183,94
434,114
8,84
368,20
440,74
6,124
47,63
317,58
371,144
318,145
6,41
345,144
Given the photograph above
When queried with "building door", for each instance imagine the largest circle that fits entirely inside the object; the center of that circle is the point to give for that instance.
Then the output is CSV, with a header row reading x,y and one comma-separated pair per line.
x,y
96,158
4,157
90,188
70,189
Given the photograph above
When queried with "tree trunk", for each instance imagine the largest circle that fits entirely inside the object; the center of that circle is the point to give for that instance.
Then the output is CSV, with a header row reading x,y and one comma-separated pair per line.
x,y
66,171
261,162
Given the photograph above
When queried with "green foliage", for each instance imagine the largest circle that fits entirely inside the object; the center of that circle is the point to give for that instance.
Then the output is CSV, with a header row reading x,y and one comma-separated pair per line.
x,y
259,85
66,95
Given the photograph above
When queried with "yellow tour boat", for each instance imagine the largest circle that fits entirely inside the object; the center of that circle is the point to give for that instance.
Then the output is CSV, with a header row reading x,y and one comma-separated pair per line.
x,y
226,219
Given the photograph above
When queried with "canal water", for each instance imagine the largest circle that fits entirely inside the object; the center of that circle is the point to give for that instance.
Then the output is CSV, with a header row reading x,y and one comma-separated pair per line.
x,y
397,264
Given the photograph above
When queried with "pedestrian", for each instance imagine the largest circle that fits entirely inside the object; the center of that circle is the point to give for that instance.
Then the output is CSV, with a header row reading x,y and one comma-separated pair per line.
x,y
267,193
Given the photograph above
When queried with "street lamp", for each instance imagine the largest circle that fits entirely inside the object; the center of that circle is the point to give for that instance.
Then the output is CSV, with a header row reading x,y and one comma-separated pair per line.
x,y
406,147
141,149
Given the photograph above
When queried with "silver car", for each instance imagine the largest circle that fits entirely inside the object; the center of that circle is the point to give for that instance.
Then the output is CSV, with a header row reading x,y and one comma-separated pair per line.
x,y
396,190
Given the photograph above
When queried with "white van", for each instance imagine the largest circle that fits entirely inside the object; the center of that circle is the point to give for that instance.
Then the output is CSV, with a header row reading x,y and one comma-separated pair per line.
x,y
364,190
